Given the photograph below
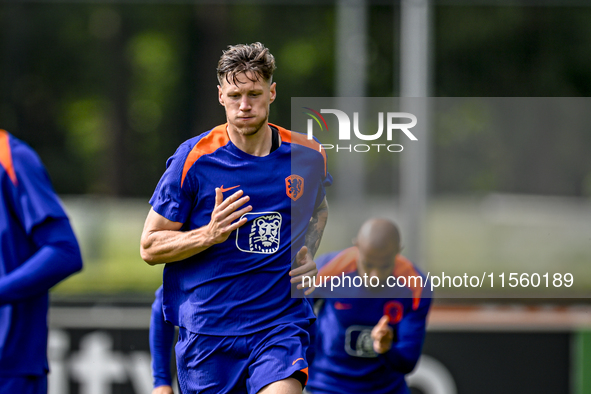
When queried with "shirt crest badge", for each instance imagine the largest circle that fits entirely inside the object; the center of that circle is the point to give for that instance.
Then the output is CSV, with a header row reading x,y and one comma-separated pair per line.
x,y
294,186
261,234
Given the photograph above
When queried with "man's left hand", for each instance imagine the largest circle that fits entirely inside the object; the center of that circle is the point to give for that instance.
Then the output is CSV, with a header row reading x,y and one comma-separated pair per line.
x,y
305,267
162,390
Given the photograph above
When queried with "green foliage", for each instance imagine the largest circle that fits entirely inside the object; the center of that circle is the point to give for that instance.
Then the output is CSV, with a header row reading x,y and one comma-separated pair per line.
x,y
105,92
108,91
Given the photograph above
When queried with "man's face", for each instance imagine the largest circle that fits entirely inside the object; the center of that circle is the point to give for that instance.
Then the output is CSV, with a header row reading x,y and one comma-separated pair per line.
x,y
376,262
247,103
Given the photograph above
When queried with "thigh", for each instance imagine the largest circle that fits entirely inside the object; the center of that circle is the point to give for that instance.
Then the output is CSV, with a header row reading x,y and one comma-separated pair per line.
x,y
24,384
211,364
279,353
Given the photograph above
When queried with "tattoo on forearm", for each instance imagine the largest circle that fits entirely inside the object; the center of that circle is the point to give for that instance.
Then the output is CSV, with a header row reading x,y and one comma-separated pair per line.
x,y
316,228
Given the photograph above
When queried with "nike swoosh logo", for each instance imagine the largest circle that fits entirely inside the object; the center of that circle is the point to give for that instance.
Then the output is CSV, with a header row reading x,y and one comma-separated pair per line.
x,y
297,360
230,188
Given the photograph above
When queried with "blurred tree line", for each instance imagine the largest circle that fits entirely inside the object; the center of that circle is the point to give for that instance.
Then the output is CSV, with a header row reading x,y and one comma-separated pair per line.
x,y
106,92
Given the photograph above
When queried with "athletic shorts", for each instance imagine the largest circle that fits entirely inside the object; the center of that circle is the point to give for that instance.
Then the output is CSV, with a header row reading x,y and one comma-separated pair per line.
x,y
34,384
211,364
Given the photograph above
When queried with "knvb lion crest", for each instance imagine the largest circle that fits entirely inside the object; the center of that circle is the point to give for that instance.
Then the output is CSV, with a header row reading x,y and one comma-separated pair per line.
x,y
264,234
294,186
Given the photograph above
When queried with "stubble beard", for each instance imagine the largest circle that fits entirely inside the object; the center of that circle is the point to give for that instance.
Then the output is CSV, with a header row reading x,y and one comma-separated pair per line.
x,y
247,131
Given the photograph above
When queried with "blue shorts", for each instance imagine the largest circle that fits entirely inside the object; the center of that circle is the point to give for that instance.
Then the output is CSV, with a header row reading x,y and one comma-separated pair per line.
x,y
34,384
241,364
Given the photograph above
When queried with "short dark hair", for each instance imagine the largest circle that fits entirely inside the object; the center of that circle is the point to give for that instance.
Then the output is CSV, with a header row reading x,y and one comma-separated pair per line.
x,y
242,58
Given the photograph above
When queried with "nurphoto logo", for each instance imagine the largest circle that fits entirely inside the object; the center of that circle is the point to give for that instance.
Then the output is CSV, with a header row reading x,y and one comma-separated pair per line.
x,y
344,131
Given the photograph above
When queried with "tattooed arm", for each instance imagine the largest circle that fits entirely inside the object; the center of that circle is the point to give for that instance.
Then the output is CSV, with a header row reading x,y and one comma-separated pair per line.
x,y
316,227
305,257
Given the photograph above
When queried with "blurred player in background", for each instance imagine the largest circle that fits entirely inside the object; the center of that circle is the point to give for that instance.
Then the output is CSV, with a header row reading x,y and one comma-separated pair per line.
x,y
361,344
38,249
161,342
239,210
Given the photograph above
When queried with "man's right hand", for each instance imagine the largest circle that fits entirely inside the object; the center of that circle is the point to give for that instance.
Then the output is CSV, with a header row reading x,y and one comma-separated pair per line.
x,y
382,335
163,390
225,213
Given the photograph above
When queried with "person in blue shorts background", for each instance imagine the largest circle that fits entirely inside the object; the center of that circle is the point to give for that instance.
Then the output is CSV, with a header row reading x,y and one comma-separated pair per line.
x,y
366,339
38,249
237,218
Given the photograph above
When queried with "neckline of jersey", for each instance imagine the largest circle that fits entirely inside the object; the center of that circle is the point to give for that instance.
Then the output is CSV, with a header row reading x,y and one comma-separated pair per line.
x,y
239,152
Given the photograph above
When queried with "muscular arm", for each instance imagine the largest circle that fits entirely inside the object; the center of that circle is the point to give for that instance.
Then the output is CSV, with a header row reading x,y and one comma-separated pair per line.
x,y
163,241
